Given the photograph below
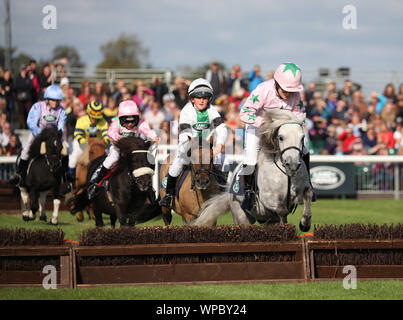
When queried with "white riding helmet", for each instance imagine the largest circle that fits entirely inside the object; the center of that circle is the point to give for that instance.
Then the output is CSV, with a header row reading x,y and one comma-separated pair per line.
x,y
200,88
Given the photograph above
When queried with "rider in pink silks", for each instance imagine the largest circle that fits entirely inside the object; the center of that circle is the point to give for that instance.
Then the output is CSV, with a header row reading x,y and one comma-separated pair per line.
x,y
281,92
123,126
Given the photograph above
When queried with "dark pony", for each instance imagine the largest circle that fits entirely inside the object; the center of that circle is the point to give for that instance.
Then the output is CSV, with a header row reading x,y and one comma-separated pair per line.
x,y
128,186
44,174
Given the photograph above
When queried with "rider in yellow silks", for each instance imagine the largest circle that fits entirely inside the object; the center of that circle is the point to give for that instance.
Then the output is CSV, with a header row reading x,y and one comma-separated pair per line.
x,y
92,124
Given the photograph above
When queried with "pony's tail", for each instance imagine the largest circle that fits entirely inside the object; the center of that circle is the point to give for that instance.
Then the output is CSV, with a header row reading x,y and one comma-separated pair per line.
x,y
150,211
212,209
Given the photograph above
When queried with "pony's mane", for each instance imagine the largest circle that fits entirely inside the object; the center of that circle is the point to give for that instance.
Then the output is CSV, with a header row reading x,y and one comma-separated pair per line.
x,y
128,144
274,119
45,135
84,158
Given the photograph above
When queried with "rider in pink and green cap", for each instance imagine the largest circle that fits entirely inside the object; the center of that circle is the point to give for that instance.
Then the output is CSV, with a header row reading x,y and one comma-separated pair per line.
x,y
281,92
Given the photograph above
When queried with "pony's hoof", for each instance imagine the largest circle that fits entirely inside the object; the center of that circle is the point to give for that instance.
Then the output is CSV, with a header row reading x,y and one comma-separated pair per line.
x,y
80,217
25,218
304,228
42,218
54,221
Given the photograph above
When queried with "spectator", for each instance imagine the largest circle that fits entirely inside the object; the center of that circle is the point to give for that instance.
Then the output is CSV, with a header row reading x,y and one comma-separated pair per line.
x,y
13,147
317,136
358,102
399,108
231,118
386,136
159,88
388,114
347,137
5,135
357,149
330,89
139,87
181,94
24,88
217,79
237,87
45,78
254,78
86,95
71,118
310,92
331,140
398,136
377,101
120,85
369,138
111,110
154,116
33,75
331,101
347,91
389,92
340,111
170,108
7,91
100,92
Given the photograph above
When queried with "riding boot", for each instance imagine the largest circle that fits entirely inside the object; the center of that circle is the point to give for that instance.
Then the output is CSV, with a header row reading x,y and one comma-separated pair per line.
x,y
248,201
96,178
19,177
167,201
306,158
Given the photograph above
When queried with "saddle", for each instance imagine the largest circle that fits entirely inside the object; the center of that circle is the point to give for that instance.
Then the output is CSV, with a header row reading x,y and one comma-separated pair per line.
x,y
179,182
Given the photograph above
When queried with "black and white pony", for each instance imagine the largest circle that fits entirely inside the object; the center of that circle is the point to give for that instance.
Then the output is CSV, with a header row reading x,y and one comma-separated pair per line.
x,y
44,173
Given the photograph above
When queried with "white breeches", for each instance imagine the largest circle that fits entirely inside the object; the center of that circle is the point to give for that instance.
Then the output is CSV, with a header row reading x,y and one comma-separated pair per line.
x,y
112,158
77,151
25,150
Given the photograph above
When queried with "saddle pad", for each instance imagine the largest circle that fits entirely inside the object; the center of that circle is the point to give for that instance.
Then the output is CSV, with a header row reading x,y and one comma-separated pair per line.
x,y
238,183
179,184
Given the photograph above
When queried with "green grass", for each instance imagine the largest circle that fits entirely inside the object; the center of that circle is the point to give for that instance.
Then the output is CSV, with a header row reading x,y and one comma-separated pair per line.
x,y
379,290
323,212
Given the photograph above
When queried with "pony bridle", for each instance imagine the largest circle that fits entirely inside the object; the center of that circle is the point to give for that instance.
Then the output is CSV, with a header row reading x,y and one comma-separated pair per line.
x,y
281,152
141,171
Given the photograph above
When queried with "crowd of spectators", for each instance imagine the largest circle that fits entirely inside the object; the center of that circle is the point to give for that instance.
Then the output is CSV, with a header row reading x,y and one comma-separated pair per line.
x,y
339,120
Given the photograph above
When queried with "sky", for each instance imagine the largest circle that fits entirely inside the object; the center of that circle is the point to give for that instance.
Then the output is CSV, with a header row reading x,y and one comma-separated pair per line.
x,y
189,32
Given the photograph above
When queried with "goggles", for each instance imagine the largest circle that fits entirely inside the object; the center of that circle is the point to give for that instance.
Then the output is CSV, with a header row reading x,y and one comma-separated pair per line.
x,y
95,114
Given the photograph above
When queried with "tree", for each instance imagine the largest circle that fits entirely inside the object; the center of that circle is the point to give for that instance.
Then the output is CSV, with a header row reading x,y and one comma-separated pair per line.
x,y
125,52
68,52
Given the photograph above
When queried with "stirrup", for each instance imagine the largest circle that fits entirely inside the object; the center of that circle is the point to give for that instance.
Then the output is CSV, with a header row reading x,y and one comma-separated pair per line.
x,y
167,201
92,191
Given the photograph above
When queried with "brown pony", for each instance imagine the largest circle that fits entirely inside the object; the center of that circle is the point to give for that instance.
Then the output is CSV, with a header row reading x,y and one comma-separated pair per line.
x,y
199,185
95,148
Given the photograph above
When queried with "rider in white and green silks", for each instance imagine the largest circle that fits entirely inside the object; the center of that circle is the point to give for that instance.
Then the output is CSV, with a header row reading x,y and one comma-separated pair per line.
x,y
282,92
197,119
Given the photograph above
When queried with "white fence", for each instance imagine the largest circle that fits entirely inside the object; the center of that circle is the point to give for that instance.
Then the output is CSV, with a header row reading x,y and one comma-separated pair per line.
x,y
388,181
